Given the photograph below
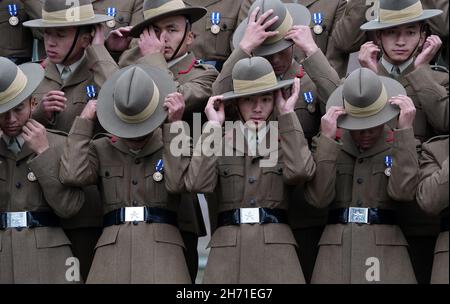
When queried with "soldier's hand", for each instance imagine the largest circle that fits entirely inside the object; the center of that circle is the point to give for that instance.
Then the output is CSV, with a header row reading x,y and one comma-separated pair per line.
x,y
429,50
256,32
35,136
53,102
90,110
98,37
407,111
303,39
175,105
368,56
286,104
119,40
215,110
329,121
149,43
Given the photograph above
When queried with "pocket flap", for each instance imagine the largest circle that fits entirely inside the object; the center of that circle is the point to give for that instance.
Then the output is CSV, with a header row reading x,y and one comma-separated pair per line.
x,y
225,236
165,233
278,234
442,243
50,237
231,170
277,169
378,168
344,169
113,171
389,235
226,24
332,235
109,236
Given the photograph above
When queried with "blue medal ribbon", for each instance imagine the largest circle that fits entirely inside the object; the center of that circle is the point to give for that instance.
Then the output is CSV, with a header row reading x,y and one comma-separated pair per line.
x,y
111,11
215,18
308,97
12,8
317,18
159,166
91,92
388,161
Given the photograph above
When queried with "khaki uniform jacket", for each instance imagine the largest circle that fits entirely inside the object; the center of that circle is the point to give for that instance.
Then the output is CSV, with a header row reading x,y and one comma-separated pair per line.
x,y
17,41
254,253
209,46
127,253
346,177
432,196
97,66
36,255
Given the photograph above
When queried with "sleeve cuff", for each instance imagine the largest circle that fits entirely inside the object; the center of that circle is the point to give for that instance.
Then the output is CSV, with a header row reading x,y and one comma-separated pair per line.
x,y
44,163
327,149
420,78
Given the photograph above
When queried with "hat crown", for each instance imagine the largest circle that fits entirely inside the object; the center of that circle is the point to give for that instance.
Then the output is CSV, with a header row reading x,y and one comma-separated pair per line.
x,y
250,69
362,88
8,72
58,5
133,92
279,9
397,5
154,4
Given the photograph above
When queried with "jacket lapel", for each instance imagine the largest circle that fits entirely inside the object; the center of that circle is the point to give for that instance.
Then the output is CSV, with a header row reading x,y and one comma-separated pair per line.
x,y
52,73
80,75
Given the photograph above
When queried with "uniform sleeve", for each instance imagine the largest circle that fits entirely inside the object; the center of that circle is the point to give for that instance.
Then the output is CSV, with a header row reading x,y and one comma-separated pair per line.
x,y
438,24
66,201
433,97
245,8
321,190
299,165
432,193
202,174
405,168
138,13
103,64
79,163
224,81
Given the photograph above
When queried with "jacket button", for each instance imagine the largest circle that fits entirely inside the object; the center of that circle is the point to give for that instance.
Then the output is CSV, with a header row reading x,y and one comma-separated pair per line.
x,y
360,180
135,182
252,202
135,203
359,203
17,164
251,180
107,174
120,18
18,185
360,161
137,161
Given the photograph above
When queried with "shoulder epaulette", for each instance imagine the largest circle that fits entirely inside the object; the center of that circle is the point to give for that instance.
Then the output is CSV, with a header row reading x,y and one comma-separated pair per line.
x,y
58,132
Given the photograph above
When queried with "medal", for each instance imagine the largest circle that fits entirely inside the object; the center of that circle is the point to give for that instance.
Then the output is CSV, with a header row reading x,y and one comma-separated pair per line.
x,y
158,176
215,20
13,20
31,177
388,162
317,19
112,12
309,99
91,92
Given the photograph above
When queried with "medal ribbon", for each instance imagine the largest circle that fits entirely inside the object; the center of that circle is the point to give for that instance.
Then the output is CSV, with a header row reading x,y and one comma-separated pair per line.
x,y
12,8
308,97
215,18
111,11
91,92
317,18
159,166
388,161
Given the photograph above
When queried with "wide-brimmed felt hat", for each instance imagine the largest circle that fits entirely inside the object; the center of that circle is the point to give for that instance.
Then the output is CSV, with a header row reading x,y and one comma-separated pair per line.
x,y
61,13
131,102
289,14
155,10
392,13
365,95
254,76
17,83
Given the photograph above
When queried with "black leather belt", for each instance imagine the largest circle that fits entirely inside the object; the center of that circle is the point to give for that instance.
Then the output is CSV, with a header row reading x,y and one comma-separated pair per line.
x,y
444,224
151,215
12,220
372,216
252,216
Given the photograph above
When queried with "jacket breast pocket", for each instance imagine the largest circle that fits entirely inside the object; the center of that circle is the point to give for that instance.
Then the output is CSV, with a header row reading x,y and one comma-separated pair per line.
x,y
222,39
155,192
231,180
344,183
273,182
379,182
123,18
111,182
14,37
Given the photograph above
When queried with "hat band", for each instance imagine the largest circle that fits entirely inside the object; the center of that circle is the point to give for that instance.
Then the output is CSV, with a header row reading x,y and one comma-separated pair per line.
x,y
73,14
408,13
167,7
283,29
253,86
371,110
145,114
16,87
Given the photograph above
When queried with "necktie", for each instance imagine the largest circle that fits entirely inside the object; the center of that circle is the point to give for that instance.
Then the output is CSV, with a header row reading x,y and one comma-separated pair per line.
x,y
14,146
65,73
395,73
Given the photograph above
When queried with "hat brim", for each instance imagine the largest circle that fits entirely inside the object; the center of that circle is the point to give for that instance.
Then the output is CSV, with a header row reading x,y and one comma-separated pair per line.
x,y
377,25
113,124
281,84
194,14
393,88
40,23
35,75
300,15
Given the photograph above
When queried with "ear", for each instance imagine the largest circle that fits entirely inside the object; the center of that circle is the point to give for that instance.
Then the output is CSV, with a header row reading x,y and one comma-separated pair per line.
x,y
423,37
85,39
190,38
33,103
378,37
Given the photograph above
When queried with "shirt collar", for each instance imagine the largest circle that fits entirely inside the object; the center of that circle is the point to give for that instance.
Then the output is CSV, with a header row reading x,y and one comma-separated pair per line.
x,y
176,60
389,66
20,140
72,67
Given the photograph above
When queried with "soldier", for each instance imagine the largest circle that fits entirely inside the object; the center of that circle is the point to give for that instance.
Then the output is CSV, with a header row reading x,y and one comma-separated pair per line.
x,y
325,14
253,242
76,67
360,176
33,247
258,35
213,33
137,175
432,196
405,53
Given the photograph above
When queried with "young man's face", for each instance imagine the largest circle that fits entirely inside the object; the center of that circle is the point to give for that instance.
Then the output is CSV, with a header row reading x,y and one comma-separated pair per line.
x,y
256,109
12,122
58,42
400,42
366,139
281,61
174,28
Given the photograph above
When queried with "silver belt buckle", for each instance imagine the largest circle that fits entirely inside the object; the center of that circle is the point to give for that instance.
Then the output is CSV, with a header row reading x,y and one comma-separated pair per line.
x,y
249,215
134,214
358,215
16,220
